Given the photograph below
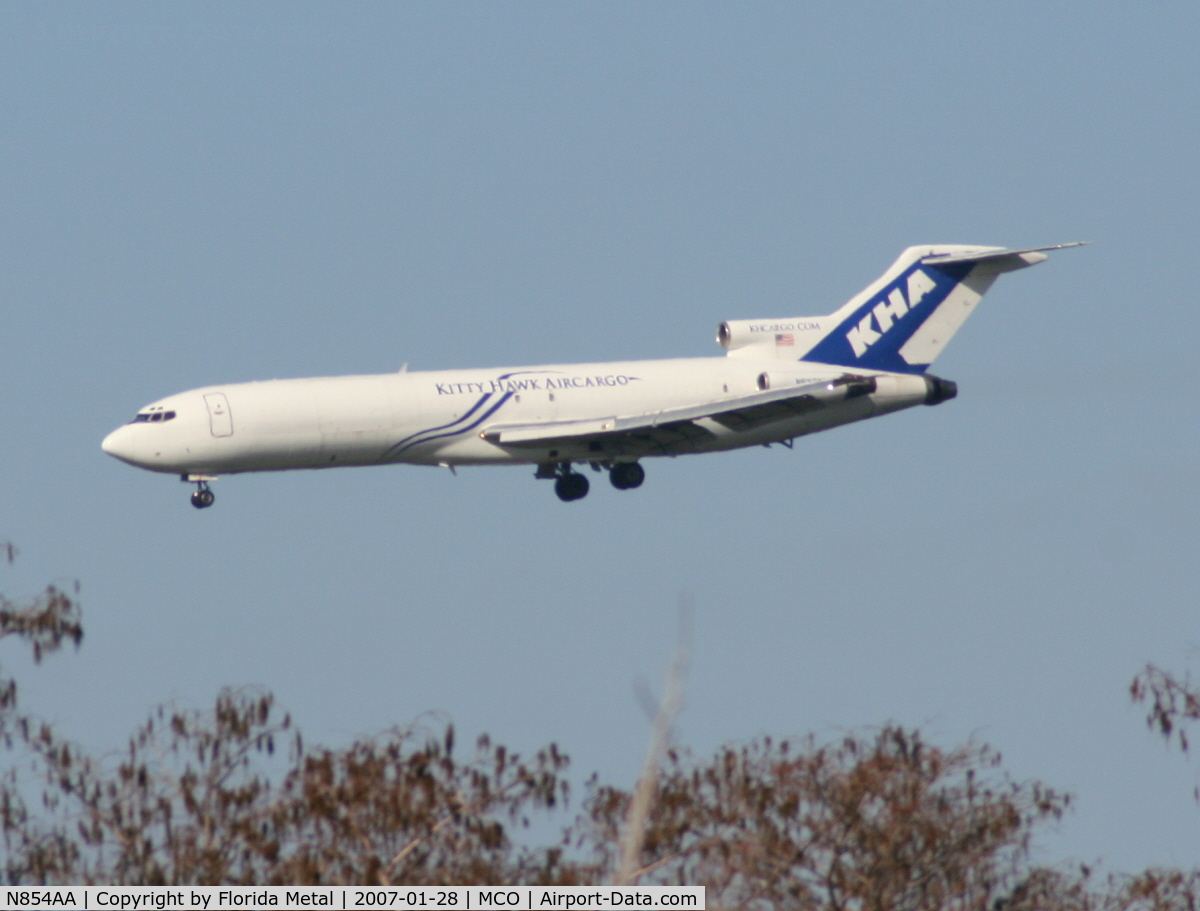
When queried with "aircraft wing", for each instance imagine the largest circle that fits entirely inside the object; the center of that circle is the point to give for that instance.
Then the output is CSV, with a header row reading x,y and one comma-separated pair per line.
x,y
672,430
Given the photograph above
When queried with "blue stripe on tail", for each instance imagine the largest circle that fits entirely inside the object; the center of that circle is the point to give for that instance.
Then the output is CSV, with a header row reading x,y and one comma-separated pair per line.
x,y
872,336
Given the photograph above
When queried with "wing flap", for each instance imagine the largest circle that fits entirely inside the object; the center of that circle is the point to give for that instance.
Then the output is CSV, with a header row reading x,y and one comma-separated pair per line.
x,y
669,430
767,413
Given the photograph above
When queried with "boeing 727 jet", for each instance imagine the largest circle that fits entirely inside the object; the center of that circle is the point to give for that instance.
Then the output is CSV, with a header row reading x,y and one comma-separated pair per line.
x,y
779,379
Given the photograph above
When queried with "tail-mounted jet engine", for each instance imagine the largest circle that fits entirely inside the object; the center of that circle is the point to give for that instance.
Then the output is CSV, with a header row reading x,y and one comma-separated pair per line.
x,y
939,390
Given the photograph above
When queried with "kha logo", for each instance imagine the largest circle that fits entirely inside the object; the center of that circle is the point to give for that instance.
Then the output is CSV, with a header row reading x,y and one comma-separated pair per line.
x,y
889,311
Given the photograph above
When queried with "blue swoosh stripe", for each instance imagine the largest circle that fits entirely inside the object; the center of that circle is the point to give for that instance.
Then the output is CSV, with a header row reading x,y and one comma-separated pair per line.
x,y
413,437
411,440
483,417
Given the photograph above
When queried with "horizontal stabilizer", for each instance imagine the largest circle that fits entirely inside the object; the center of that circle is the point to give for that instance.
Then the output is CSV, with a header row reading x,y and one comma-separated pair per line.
x,y
986,253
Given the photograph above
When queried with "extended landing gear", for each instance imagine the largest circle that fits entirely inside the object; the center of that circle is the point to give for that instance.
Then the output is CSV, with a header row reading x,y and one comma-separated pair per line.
x,y
571,485
626,475
568,483
202,497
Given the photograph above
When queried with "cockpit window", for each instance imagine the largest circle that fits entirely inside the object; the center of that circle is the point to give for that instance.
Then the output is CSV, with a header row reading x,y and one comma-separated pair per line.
x,y
143,416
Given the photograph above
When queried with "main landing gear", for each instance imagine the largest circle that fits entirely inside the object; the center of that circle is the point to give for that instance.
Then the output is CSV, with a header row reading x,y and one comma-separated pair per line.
x,y
626,475
202,497
571,485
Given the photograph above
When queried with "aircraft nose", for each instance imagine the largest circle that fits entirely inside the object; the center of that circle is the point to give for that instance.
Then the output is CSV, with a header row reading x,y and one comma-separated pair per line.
x,y
119,445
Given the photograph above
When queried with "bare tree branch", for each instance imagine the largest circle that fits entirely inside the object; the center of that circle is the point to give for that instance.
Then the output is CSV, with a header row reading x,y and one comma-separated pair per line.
x,y
643,799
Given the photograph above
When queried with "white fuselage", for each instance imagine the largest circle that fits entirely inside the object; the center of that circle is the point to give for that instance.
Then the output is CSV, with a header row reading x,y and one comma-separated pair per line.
x,y
442,417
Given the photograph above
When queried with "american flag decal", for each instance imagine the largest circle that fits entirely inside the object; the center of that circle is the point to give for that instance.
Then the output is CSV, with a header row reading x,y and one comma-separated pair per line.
x,y
784,340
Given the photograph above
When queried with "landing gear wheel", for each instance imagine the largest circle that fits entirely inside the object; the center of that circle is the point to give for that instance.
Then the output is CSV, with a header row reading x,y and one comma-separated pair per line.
x,y
571,486
627,475
203,498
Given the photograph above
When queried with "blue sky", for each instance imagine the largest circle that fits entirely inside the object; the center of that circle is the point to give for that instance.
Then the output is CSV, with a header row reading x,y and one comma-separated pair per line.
x,y
197,194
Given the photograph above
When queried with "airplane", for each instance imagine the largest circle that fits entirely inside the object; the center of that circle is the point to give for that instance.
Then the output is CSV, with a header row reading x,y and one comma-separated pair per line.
x,y
779,379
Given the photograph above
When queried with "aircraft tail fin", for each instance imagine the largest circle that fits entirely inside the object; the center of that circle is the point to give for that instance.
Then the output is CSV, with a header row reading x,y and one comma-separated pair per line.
x,y
900,322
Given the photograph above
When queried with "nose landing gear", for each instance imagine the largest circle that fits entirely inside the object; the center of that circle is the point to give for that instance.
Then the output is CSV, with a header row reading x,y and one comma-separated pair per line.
x,y
202,497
